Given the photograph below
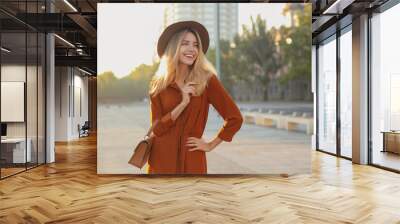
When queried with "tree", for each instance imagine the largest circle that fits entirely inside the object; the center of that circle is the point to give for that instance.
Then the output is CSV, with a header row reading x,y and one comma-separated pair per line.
x,y
232,69
106,85
296,43
258,50
251,57
133,87
136,84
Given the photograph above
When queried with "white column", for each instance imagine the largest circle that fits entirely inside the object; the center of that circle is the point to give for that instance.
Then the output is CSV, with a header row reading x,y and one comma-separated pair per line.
x,y
50,99
50,92
360,90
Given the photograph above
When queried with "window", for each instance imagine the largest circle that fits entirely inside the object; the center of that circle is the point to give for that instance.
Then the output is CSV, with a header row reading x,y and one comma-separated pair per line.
x,y
346,93
385,89
327,95
22,68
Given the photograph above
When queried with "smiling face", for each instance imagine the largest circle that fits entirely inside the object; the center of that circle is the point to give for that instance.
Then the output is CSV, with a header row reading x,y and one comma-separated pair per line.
x,y
189,49
184,55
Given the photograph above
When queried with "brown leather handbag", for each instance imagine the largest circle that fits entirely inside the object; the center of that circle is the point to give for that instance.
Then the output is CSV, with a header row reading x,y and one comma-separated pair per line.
x,y
142,151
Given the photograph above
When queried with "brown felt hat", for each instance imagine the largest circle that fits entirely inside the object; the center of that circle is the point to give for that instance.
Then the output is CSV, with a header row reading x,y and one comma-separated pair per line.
x,y
178,26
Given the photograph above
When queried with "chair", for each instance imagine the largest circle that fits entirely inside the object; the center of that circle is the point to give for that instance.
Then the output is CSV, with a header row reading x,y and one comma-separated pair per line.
x,y
84,130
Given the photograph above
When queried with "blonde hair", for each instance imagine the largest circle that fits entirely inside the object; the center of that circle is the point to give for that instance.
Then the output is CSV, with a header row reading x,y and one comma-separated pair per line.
x,y
200,71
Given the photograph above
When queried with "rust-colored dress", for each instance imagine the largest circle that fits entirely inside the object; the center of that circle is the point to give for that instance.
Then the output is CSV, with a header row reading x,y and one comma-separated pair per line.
x,y
170,154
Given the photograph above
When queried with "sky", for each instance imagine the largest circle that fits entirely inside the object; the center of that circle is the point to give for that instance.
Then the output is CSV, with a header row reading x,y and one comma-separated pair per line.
x,y
128,38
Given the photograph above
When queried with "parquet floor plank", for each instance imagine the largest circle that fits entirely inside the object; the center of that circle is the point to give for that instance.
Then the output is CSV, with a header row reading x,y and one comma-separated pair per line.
x,y
70,191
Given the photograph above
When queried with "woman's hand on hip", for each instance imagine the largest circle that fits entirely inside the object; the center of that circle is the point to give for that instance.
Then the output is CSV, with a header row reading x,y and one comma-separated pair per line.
x,y
198,144
186,90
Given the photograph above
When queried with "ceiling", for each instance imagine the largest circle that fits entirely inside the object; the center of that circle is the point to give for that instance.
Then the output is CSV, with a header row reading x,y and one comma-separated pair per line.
x,y
76,22
332,15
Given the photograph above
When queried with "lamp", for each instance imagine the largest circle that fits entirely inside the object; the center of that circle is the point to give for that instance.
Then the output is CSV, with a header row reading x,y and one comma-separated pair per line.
x,y
64,40
70,5
5,50
337,7
84,71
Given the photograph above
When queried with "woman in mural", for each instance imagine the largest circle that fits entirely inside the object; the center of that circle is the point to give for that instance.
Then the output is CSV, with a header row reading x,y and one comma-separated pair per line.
x,y
180,94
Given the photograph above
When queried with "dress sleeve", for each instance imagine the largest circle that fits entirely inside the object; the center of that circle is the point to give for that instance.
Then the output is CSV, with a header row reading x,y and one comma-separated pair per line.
x,y
165,121
226,107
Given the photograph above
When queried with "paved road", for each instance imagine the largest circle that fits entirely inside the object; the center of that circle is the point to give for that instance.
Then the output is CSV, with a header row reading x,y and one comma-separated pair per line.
x,y
254,150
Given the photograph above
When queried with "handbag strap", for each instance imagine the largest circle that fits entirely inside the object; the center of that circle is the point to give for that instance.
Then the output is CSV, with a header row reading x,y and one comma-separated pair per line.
x,y
151,128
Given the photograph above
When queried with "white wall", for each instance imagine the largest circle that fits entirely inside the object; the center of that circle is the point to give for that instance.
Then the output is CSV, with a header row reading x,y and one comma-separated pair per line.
x,y
61,103
12,73
71,88
16,73
79,115
33,126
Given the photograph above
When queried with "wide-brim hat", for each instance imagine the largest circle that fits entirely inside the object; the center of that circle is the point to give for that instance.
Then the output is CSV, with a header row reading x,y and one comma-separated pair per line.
x,y
178,26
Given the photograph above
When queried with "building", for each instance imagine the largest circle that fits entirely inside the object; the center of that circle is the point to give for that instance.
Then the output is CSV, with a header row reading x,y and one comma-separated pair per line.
x,y
206,14
356,82
48,88
48,84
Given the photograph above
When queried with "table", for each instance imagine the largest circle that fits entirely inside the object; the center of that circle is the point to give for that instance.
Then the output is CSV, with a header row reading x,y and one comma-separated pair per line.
x,y
15,148
391,141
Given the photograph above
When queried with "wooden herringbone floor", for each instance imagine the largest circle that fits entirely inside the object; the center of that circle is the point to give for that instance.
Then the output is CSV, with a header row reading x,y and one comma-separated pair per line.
x,y
69,191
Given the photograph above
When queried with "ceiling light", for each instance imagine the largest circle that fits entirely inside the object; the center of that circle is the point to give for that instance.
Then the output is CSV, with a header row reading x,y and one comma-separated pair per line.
x,y
64,40
5,49
338,6
332,7
84,71
70,5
